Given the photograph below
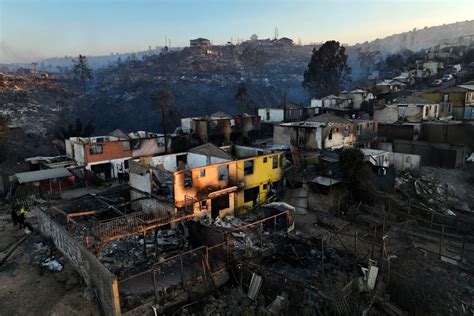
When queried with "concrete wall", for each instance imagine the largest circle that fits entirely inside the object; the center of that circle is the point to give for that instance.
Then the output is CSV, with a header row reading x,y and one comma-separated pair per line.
x,y
84,262
282,134
79,156
436,155
408,162
395,131
150,147
69,148
271,115
388,114
453,134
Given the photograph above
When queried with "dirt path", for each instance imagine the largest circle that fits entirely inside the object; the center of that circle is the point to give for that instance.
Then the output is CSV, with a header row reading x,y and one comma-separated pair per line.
x,y
28,289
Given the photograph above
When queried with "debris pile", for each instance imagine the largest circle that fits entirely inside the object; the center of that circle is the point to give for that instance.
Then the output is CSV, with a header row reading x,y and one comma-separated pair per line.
x,y
47,256
133,254
430,194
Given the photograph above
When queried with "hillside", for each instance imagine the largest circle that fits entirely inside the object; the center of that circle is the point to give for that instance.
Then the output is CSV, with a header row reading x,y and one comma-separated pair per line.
x,y
459,33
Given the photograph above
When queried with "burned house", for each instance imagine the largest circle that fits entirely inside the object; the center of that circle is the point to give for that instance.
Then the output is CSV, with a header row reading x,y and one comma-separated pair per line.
x,y
291,112
222,128
107,155
460,97
325,132
207,180
412,109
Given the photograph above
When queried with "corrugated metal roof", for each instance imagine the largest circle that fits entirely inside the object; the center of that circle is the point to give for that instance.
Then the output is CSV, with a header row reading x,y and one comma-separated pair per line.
x,y
32,176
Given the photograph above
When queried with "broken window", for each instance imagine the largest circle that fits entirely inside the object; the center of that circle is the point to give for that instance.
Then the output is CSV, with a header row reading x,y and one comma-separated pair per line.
x,y
275,162
248,167
135,144
188,179
202,172
251,194
126,145
223,172
96,149
346,131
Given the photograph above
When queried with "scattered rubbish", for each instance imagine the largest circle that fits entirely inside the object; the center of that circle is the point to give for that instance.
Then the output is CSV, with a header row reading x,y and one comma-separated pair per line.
x,y
52,265
255,285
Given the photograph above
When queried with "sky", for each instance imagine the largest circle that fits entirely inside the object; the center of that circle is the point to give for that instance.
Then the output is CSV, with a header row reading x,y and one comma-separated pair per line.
x,y
33,29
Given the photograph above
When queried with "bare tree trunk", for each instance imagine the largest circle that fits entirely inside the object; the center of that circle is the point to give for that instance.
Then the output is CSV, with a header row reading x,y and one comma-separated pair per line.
x,y
163,122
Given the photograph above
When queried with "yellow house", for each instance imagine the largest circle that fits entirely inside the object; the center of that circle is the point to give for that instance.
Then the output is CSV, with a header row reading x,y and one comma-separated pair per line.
x,y
459,97
207,180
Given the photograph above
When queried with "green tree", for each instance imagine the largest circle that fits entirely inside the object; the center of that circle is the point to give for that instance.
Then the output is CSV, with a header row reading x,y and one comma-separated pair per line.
x,y
82,71
352,164
161,101
327,72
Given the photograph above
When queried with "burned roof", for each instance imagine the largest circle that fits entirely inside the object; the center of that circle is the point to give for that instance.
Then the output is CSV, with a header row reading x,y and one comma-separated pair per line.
x,y
290,105
413,99
328,118
118,133
221,114
209,149
46,174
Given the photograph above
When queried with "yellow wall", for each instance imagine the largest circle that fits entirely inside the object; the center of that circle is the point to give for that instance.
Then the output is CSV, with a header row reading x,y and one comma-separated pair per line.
x,y
263,173
457,99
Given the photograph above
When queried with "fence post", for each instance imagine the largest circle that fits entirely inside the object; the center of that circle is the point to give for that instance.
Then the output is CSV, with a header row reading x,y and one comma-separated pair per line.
x,y
322,258
373,242
441,241
182,271
155,287
355,242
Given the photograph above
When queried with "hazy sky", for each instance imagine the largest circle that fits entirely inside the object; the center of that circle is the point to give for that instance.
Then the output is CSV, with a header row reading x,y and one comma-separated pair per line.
x,y
45,28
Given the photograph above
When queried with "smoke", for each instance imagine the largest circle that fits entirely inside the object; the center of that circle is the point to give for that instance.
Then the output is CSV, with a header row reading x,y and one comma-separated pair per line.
x,y
8,54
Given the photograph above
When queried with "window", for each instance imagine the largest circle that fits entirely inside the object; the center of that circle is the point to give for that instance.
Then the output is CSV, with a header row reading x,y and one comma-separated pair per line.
x,y
330,134
248,167
281,161
223,172
368,124
408,159
251,194
264,159
96,149
126,145
359,130
264,187
275,162
346,131
202,172
125,164
188,179
268,115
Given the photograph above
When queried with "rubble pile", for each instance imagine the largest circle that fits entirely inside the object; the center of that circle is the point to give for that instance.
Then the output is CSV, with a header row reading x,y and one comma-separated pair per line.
x,y
235,301
47,257
127,255
430,194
